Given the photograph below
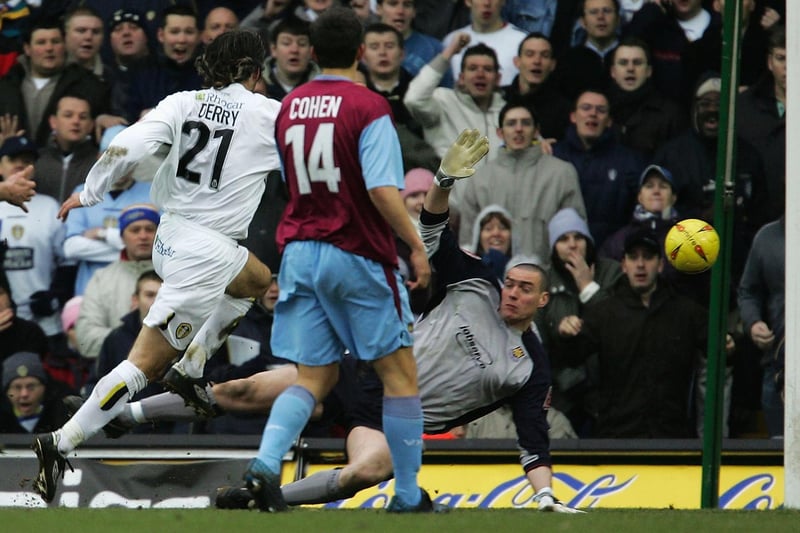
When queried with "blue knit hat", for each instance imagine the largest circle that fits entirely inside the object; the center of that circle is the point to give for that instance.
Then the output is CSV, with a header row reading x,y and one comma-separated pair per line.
x,y
134,213
564,221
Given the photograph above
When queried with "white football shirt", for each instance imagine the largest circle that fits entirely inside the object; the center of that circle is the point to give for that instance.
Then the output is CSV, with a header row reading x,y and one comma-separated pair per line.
x,y
217,145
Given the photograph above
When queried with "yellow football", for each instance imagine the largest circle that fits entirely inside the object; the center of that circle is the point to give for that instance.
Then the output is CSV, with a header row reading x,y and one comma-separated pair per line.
x,y
692,246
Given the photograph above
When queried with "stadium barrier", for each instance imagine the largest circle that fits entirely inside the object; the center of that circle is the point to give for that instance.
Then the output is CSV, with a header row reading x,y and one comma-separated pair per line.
x,y
183,471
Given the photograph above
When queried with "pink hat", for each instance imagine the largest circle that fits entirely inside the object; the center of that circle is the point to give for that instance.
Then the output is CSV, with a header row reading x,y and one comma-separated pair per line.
x,y
417,180
69,315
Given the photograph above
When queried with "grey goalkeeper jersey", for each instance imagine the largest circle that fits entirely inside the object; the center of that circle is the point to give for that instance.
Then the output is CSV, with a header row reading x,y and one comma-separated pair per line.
x,y
469,362
469,358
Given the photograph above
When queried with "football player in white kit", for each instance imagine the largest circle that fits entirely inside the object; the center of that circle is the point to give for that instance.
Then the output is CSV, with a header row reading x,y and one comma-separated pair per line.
x,y
217,146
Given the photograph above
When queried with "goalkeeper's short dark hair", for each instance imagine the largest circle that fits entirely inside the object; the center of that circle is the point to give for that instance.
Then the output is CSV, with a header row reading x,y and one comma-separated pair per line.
x,y
231,58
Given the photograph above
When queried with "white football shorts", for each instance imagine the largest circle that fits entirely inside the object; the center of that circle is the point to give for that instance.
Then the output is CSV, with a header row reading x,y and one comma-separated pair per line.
x,y
196,264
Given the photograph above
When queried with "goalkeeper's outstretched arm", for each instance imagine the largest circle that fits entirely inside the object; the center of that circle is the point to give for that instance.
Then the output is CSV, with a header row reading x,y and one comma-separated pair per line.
x,y
458,163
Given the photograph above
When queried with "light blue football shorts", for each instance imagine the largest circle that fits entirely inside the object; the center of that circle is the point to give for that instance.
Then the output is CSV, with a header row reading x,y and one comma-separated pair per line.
x,y
331,300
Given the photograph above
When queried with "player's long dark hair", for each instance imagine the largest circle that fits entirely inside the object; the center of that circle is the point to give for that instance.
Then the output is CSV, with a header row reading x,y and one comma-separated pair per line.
x,y
231,58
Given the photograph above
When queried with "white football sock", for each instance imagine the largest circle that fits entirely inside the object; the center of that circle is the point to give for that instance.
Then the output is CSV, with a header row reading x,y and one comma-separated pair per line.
x,y
107,400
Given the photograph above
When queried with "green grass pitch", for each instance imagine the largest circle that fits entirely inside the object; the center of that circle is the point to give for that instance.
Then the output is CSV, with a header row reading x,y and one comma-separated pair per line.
x,y
347,521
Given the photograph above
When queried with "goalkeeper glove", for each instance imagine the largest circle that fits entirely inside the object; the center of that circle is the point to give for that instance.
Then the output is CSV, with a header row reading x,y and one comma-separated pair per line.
x,y
461,157
549,503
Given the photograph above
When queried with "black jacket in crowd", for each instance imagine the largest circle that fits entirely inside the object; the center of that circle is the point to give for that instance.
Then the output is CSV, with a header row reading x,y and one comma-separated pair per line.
x,y
647,360
645,119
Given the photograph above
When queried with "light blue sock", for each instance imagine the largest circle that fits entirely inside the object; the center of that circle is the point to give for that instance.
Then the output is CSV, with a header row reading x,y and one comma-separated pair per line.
x,y
287,418
402,425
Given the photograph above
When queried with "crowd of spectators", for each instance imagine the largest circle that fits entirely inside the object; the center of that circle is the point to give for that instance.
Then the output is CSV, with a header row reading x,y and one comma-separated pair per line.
x,y
603,119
